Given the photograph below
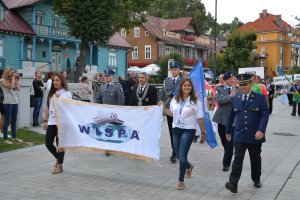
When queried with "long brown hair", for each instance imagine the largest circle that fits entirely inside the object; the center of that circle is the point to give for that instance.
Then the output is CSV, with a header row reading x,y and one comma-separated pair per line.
x,y
180,92
52,91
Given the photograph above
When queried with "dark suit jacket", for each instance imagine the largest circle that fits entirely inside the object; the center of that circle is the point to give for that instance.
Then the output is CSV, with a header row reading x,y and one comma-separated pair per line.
x,y
271,90
294,88
150,98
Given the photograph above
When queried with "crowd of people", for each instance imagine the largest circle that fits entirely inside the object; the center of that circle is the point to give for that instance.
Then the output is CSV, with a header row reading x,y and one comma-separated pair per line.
x,y
241,104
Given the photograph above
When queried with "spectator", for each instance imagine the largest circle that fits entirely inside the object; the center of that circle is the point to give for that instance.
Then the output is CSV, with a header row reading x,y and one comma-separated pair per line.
x,y
1,106
130,83
39,88
59,87
283,98
64,73
49,81
9,84
85,90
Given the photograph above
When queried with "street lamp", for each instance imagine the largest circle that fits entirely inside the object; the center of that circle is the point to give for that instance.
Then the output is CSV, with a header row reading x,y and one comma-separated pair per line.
x,y
215,44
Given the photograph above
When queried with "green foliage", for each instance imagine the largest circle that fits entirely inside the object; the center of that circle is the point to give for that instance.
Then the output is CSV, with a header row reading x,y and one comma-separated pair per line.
x,y
29,138
95,21
294,70
221,67
239,50
163,64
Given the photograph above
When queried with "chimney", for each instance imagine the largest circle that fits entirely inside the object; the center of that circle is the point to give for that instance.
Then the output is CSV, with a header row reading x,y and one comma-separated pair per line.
x,y
264,13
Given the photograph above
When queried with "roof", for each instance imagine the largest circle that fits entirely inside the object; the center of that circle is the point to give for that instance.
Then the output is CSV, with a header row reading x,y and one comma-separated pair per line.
x,y
118,41
15,24
10,4
266,23
178,24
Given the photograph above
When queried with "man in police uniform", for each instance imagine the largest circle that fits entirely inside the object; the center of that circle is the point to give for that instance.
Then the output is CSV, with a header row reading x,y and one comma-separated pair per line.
x,y
111,92
224,95
166,94
143,94
252,114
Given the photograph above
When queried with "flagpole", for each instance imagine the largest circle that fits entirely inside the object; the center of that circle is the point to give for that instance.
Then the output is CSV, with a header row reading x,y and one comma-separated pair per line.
x,y
215,45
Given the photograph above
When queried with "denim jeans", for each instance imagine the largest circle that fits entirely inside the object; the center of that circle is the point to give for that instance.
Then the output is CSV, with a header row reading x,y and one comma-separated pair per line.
x,y
10,114
182,140
37,107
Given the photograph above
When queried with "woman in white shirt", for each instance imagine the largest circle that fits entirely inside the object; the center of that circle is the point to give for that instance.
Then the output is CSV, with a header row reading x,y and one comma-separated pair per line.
x,y
185,108
58,87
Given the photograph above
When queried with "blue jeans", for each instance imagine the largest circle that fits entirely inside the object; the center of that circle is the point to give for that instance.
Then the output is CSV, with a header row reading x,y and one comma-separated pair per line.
x,y
182,141
10,114
37,107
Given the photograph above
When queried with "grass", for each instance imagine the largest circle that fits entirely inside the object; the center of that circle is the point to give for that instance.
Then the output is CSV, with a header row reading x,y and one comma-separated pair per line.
x,y
30,138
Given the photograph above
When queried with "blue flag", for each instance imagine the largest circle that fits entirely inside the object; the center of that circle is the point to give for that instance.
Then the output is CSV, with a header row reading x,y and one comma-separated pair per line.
x,y
197,78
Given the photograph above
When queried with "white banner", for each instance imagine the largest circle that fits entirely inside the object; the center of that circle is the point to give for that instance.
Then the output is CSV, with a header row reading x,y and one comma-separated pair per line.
x,y
133,131
281,80
296,76
253,70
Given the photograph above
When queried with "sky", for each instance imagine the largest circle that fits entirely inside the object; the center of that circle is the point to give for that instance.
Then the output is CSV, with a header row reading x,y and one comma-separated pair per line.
x,y
248,10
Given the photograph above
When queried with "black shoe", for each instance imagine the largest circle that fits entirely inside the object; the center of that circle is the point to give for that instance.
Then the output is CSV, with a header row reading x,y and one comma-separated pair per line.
x,y
257,184
34,124
225,168
293,114
196,138
231,187
107,154
173,159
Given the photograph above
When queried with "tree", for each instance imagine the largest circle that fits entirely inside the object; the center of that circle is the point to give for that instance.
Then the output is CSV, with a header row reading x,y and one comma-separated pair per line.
x,y
239,50
94,21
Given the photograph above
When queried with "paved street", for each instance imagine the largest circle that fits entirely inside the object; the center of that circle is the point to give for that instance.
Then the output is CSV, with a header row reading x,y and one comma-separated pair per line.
x,y
26,173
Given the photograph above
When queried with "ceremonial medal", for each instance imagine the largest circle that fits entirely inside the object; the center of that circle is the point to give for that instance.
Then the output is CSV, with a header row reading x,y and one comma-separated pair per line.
x,y
140,99
140,103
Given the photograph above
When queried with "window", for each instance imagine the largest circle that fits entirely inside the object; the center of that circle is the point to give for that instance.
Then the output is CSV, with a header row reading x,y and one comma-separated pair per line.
x,y
136,32
29,52
112,59
56,23
123,33
39,18
147,51
1,14
146,33
263,52
1,48
167,50
262,63
135,53
263,38
44,54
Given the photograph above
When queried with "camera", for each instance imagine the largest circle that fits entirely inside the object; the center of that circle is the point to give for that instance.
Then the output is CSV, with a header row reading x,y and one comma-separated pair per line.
x,y
20,74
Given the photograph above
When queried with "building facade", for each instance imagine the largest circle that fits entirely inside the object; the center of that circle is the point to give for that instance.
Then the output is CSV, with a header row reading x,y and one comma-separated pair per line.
x,y
158,37
278,43
32,35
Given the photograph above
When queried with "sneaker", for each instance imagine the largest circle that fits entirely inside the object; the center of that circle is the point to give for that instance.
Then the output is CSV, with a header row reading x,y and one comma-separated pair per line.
x,y
16,140
7,142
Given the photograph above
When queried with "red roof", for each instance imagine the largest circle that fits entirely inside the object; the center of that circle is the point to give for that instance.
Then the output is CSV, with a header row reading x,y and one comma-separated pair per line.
x,y
18,3
178,24
14,23
118,41
266,23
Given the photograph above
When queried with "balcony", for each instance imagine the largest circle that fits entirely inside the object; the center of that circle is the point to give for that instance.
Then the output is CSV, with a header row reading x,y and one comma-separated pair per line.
x,y
52,32
190,61
189,38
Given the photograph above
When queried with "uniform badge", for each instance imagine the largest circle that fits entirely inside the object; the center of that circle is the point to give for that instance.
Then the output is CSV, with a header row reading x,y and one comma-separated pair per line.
x,y
235,110
112,94
147,99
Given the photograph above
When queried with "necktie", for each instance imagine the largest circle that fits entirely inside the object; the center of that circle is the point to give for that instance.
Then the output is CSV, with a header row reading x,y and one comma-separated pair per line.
x,y
141,89
174,80
229,90
245,100
107,85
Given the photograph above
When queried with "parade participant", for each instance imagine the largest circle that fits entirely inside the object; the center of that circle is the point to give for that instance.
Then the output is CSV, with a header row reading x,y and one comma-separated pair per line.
x,y
166,94
9,85
39,88
59,87
131,81
262,86
110,92
143,94
185,108
254,86
271,90
296,99
251,112
223,97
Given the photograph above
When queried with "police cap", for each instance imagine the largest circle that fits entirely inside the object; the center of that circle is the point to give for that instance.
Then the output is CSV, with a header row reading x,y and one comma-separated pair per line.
x,y
244,78
175,65
227,75
109,72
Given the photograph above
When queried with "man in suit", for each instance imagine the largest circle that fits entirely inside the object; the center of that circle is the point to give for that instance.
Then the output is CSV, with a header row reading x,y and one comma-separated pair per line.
x,y
143,94
166,94
271,90
251,112
296,98
223,96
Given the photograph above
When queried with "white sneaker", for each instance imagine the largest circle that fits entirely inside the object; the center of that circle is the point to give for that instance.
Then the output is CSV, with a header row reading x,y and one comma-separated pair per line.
x,y
7,142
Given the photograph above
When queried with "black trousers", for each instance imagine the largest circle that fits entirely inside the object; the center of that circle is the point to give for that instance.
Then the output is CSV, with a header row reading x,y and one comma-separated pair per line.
x,y
170,121
51,133
255,161
295,108
270,104
290,98
228,146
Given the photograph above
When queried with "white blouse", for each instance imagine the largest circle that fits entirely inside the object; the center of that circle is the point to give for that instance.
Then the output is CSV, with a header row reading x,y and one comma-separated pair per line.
x,y
63,93
185,113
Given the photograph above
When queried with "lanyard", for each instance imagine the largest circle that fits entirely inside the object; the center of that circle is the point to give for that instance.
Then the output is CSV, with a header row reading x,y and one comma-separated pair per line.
x,y
181,107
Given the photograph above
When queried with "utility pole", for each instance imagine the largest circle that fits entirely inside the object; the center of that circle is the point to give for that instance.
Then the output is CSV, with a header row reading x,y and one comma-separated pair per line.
x,y
215,45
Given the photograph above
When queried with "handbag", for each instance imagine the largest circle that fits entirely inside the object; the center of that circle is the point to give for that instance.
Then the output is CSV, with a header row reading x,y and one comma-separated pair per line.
x,y
32,98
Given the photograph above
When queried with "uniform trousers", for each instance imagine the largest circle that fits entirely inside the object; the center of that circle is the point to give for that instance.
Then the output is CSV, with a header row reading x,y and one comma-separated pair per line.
x,y
228,146
255,161
170,121
270,104
295,108
51,133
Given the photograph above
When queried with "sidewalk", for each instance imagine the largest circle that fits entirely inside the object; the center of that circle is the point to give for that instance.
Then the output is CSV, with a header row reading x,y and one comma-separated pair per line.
x,y
26,173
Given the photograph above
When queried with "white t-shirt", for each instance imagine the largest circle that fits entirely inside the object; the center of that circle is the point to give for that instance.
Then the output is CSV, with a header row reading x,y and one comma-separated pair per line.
x,y
185,113
49,83
63,93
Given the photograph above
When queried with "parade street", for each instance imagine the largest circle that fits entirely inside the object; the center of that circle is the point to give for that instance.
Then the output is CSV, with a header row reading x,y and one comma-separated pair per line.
x,y
26,173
